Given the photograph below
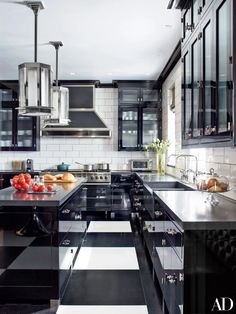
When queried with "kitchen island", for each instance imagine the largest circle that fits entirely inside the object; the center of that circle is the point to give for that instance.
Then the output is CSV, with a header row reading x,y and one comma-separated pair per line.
x,y
36,254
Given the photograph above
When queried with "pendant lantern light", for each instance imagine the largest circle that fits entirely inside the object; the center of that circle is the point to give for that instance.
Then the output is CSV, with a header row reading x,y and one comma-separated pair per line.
x,y
60,97
35,78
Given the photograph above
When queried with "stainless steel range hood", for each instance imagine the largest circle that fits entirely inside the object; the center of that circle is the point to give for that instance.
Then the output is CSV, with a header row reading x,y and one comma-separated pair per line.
x,y
85,121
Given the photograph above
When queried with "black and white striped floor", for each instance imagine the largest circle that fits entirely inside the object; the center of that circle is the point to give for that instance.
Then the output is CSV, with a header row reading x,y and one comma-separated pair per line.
x,y
106,276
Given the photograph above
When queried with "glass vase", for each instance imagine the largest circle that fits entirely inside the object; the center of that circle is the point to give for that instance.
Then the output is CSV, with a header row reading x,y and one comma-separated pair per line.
x,y
160,158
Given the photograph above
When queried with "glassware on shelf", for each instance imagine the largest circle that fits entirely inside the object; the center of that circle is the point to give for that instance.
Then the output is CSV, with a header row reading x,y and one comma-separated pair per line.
x,y
212,183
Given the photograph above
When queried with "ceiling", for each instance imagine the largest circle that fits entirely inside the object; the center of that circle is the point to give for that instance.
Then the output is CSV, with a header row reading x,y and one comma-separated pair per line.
x,y
103,39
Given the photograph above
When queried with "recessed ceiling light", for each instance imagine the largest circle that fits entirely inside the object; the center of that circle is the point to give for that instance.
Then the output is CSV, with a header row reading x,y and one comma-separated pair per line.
x,y
109,73
72,73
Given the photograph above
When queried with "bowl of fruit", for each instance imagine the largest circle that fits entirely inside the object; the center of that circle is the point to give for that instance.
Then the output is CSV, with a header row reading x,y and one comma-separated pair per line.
x,y
21,182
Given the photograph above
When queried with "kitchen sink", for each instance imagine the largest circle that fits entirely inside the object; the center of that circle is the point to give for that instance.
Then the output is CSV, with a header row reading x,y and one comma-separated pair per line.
x,y
169,186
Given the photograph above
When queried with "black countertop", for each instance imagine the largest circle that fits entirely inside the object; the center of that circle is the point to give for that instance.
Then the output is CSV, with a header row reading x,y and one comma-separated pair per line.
x,y
11,197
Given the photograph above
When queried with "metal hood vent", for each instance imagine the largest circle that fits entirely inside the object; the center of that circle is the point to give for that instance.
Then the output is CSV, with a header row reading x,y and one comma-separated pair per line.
x,y
85,121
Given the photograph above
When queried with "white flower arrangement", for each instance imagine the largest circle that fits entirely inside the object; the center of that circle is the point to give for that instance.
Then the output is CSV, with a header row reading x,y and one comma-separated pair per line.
x,y
158,146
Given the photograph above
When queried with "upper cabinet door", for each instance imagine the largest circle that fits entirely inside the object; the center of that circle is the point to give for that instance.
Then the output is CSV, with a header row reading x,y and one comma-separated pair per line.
x,y
187,24
149,95
224,82
129,128
208,77
6,128
187,96
150,125
17,132
208,108
196,89
130,95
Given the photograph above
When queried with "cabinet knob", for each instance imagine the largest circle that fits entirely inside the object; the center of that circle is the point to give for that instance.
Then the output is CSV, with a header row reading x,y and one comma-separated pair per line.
x,y
181,277
199,11
171,231
171,278
66,242
158,213
66,211
189,27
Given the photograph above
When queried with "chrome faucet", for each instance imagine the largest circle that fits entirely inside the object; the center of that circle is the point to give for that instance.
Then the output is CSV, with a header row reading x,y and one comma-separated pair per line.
x,y
171,155
185,172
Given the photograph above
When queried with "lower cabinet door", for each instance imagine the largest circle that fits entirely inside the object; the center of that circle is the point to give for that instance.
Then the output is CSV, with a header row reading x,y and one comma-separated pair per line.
x,y
28,258
173,278
71,235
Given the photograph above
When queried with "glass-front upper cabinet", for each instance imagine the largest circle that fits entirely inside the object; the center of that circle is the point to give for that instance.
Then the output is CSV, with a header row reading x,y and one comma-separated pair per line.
x,y
6,122
149,125
129,95
209,84
196,89
137,95
128,128
224,81
16,132
187,94
138,126
208,61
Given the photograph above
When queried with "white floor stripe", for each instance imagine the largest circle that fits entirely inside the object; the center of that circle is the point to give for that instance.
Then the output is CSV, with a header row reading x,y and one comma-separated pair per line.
x,y
102,309
109,226
106,258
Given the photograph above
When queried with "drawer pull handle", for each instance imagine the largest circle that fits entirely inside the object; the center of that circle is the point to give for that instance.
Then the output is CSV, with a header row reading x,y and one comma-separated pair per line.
x,y
181,277
147,227
66,242
66,211
158,213
171,278
171,231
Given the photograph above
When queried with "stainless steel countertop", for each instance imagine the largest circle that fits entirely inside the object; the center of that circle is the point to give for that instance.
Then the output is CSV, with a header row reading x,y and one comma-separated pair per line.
x,y
191,211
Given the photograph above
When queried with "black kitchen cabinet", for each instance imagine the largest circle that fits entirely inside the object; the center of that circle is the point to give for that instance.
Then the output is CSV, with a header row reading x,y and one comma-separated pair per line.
x,y
139,115
138,126
208,79
17,133
71,234
137,95
29,264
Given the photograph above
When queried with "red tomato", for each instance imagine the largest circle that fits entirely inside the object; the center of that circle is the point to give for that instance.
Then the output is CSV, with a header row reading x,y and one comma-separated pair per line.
x,y
41,188
21,175
21,180
49,187
35,188
25,186
27,180
18,187
27,176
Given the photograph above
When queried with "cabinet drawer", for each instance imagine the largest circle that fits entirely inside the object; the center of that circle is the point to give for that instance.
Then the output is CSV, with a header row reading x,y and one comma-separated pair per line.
x,y
174,237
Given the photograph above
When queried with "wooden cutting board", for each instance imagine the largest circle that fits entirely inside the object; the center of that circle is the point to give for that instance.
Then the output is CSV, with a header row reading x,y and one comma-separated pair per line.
x,y
59,181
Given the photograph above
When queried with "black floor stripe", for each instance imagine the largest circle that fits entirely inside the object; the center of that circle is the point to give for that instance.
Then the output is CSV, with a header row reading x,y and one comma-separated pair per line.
x,y
104,287
108,240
